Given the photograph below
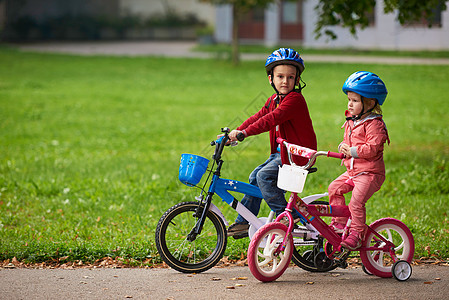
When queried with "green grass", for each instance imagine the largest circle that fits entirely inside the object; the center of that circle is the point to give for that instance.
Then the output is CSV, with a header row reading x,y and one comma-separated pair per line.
x,y
90,147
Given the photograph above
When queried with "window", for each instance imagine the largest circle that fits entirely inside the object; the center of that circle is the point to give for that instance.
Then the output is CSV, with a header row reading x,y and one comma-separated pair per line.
x,y
432,20
289,12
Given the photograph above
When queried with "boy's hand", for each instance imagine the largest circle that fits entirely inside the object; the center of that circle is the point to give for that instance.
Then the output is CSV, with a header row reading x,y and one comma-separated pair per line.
x,y
233,135
345,149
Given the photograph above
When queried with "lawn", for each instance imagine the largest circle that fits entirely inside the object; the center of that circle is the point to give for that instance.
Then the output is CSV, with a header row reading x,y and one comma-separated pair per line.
x,y
90,147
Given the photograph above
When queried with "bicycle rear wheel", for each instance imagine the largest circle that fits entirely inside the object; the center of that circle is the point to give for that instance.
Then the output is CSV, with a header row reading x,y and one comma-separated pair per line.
x,y
378,262
190,256
263,262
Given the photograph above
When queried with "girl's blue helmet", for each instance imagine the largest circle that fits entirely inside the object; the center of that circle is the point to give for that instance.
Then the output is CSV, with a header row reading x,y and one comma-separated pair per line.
x,y
284,56
366,84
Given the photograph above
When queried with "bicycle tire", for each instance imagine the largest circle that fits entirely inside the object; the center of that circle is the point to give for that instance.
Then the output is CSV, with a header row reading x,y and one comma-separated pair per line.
x,y
304,256
380,263
182,255
263,264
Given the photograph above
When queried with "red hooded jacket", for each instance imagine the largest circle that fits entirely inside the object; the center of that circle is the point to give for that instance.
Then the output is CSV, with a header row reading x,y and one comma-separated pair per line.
x,y
292,116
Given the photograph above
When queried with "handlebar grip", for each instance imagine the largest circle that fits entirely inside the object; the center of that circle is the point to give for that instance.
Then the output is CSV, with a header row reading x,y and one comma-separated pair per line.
x,y
240,137
335,155
280,140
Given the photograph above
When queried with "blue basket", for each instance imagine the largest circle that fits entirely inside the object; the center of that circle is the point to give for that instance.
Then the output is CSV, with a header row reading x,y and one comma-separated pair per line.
x,y
192,168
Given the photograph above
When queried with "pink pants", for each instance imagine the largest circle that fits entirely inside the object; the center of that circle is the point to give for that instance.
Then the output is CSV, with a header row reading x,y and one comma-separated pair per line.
x,y
365,185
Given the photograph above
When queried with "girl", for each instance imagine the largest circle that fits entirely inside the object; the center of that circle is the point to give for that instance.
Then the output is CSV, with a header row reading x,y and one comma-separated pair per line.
x,y
363,145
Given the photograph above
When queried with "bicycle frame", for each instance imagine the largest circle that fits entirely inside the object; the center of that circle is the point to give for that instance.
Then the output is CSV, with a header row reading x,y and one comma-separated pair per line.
x,y
313,213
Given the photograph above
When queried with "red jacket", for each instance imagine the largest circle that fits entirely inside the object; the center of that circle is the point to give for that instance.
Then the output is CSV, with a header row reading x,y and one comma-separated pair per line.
x,y
292,116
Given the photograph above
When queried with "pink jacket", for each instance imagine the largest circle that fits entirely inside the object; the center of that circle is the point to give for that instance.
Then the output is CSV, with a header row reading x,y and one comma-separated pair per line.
x,y
366,139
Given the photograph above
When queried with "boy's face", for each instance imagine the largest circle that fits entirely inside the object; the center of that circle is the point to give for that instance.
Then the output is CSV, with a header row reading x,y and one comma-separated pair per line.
x,y
283,78
355,104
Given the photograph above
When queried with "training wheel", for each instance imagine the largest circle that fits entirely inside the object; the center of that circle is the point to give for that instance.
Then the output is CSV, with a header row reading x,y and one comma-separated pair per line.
x,y
401,270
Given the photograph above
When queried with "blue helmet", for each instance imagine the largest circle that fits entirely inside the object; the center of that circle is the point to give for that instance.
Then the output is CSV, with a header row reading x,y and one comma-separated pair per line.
x,y
284,56
366,84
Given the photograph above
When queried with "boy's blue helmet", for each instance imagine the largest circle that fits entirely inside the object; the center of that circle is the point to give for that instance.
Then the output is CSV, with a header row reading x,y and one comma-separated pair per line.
x,y
284,56
366,84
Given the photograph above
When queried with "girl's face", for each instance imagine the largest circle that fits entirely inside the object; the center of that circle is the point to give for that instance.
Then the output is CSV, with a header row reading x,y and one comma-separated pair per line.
x,y
355,104
283,78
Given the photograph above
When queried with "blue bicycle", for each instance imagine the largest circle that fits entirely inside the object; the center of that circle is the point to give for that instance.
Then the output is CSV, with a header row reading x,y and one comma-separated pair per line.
x,y
191,237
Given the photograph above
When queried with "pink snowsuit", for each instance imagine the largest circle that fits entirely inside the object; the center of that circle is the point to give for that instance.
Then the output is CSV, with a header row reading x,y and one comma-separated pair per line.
x,y
365,169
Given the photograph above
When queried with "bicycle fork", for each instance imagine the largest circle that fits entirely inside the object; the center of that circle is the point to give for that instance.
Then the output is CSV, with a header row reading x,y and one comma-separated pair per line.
x,y
203,208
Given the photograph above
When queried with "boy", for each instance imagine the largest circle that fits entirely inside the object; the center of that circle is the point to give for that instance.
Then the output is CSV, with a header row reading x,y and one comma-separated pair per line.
x,y
285,114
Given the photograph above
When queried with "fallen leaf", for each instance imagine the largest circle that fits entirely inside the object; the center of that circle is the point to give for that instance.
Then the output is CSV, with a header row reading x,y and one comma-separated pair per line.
x,y
10,266
239,278
310,282
215,279
428,282
437,278
127,296
239,284
230,287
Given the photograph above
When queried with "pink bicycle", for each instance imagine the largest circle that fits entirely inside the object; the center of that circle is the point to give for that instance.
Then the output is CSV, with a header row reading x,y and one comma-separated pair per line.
x,y
387,249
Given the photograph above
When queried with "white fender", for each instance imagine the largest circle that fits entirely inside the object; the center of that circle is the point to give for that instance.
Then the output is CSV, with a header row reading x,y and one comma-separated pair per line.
x,y
216,210
311,198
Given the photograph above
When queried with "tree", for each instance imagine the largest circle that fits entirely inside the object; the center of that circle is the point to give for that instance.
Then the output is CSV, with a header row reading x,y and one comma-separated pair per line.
x,y
239,9
355,13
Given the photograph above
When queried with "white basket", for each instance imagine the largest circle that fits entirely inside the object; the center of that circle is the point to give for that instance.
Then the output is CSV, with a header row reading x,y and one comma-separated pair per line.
x,y
292,178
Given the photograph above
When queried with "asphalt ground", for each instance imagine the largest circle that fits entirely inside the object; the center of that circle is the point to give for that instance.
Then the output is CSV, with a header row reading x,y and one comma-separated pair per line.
x,y
426,282
184,49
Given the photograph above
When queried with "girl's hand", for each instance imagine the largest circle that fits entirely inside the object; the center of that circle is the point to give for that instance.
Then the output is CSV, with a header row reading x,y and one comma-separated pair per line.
x,y
345,149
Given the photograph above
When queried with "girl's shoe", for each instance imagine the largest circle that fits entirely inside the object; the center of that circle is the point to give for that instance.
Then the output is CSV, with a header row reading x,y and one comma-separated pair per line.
x,y
353,241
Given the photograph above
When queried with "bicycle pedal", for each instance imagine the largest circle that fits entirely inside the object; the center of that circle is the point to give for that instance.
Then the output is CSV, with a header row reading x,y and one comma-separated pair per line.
x,y
341,257
342,264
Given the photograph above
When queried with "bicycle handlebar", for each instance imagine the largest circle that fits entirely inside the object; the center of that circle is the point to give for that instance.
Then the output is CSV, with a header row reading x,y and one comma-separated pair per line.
x,y
335,155
306,152
240,137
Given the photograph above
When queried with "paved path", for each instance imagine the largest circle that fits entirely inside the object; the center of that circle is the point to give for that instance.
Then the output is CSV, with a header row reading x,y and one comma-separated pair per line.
x,y
184,49
427,282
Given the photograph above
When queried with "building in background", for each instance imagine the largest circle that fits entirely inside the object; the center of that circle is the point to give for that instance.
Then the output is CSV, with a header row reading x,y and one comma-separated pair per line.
x,y
283,23
294,23
103,19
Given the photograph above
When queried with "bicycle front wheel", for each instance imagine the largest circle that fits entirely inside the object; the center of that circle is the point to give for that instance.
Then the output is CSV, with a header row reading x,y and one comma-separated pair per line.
x,y
190,256
263,260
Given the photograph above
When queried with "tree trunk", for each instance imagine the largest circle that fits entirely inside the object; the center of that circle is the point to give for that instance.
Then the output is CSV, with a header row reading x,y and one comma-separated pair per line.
x,y
235,36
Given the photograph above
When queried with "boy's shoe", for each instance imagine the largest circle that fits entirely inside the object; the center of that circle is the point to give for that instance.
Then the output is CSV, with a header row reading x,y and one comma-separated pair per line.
x,y
238,230
338,228
353,241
